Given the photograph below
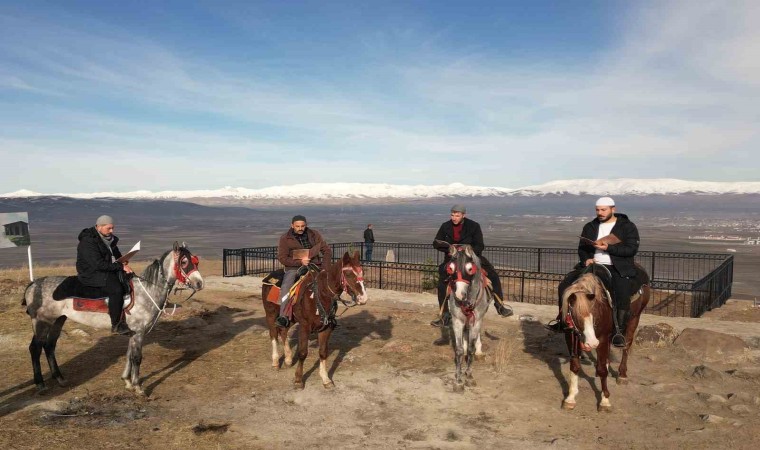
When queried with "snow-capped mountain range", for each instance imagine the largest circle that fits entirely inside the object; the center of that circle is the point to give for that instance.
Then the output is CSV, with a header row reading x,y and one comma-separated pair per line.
x,y
327,191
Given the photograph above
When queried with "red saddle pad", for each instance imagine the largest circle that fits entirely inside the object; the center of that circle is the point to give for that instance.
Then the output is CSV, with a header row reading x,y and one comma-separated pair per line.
x,y
91,304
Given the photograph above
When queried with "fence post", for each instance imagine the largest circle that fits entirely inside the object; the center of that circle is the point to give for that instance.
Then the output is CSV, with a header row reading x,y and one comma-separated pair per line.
x,y
522,286
242,262
651,274
380,283
224,262
539,260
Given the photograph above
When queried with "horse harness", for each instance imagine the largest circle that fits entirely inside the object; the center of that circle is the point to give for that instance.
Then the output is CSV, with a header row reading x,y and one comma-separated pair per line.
x,y
576,337
455,276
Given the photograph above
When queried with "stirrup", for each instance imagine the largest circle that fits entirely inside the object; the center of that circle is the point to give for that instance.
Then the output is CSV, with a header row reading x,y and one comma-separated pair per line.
x,y
555,325
618,340
503,310
282,322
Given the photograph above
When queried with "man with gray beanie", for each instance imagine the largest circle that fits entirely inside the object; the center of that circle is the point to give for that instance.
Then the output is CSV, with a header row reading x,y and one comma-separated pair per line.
x,y
461,230
99,272
298,237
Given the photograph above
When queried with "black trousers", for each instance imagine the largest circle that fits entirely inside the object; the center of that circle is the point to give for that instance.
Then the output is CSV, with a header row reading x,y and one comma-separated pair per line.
x,y
621,287
443,282
114,290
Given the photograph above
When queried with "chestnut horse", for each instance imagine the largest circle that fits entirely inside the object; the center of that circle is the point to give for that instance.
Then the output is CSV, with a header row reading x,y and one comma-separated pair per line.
x,y
315,312
587,312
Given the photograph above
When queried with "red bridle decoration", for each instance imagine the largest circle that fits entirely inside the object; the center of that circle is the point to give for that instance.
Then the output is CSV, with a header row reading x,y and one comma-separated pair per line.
x,y
179,272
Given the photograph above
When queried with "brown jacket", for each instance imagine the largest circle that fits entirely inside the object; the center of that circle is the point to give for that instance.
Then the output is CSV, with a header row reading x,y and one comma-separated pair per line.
x,y
288,243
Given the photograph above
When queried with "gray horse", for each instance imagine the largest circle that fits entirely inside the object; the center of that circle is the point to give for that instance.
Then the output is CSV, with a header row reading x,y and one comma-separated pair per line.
x,y
150,291
469,297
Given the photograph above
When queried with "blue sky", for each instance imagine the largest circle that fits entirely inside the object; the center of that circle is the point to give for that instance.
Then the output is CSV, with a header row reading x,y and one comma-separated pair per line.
x,y
119,96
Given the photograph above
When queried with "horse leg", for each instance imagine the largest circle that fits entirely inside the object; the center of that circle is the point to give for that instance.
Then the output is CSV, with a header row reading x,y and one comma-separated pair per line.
x,y
324,339
633,323
472,351
479,355
134,359
39,334
575,367
50,343
459,348
602,358
273,332
286,346
303,352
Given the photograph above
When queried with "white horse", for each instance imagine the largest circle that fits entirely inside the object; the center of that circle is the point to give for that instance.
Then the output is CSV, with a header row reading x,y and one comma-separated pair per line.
x,y
469,297
150,292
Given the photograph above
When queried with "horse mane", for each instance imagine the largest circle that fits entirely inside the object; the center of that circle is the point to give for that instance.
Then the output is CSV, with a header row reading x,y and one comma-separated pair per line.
x,y
153,271
586,284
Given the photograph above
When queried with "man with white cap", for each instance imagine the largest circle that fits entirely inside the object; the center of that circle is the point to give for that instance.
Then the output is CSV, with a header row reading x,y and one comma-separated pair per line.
x,y
461,230
617,257
99,272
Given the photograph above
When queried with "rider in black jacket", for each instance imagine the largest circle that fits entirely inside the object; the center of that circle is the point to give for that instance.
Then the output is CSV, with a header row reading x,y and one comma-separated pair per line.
x,y
98,270
461,230
618,258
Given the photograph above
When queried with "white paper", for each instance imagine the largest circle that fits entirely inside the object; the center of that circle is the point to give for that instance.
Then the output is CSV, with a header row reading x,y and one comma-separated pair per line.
x,y
127,256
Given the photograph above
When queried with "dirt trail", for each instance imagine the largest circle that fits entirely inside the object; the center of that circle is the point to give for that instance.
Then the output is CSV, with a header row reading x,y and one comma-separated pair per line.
x,y
207,372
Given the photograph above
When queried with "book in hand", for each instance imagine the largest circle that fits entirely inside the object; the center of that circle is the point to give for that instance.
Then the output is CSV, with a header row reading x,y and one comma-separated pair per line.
x,y
300,253
610,239
127,256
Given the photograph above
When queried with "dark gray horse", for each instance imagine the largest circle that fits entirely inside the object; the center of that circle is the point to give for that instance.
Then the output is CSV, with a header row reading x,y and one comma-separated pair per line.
x,y
469,297
150,291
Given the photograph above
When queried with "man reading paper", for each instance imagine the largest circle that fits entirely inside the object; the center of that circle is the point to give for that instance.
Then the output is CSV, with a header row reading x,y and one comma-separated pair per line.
x,y
611,240
298,247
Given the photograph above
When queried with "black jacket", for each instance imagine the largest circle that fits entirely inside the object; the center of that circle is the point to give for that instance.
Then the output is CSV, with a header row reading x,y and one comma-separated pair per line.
x,y
94,259
621,254
369,236
471,234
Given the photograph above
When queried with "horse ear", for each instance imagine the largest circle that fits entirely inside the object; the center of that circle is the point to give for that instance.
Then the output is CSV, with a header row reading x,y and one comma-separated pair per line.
x,y
176,246
356,256
346,259
184,244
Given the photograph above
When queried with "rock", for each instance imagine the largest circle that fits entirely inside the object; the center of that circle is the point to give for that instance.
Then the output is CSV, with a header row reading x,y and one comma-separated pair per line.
x,y
660,335
396,346
712,418
77,332
527,318
706,373
712,398
710,345
746,373
741,397
740,409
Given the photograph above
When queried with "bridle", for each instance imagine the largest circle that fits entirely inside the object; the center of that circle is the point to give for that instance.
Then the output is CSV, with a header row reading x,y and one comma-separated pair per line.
x,y
344,286
457,275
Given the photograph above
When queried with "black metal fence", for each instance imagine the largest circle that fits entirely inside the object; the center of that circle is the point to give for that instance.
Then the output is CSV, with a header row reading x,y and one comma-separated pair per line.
x,y
684,284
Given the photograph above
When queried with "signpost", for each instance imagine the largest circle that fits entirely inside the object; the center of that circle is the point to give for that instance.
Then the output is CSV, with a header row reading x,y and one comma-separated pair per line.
x,y
14,233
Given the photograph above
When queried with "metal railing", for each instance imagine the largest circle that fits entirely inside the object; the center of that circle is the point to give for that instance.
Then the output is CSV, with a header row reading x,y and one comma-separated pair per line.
x,y
683,284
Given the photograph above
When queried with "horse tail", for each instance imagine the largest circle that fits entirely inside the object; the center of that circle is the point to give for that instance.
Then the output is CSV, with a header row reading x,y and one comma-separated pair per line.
x,y
23,299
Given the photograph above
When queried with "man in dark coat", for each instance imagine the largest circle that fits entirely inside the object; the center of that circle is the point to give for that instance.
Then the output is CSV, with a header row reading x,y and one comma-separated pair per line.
x,y
298,237
369,242
100,273
618,258
461,230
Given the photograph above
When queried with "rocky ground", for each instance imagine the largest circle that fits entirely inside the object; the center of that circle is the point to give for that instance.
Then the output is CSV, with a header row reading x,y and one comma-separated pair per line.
x,y
694,383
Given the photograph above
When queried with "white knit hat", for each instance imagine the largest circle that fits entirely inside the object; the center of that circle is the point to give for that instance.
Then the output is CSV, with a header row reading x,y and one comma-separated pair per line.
x,y
104,220
605,201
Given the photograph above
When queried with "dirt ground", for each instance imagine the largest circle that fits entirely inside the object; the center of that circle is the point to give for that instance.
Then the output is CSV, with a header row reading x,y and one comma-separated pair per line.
x,y
207,372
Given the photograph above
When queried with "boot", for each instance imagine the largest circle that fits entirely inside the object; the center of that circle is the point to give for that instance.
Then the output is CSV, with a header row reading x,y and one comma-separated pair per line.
x,y
621,322
122,328
502,309
282,321
444,339
442,321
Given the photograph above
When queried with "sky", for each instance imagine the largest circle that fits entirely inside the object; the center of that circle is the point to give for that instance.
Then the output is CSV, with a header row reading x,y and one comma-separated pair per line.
x,y
182,95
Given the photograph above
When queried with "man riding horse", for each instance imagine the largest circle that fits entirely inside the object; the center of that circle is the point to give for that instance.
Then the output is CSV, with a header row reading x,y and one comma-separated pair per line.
x,y
612,241
461,230
100,273
298,237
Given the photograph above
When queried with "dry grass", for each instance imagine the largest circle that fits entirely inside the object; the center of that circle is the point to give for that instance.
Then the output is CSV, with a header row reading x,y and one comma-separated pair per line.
x,y
504,353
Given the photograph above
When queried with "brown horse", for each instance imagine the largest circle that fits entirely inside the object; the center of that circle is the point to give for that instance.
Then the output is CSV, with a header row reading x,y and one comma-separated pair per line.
x,y
587,312
342,275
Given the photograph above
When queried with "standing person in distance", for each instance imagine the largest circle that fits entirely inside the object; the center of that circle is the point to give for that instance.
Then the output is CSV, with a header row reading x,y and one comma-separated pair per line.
x,y
369,242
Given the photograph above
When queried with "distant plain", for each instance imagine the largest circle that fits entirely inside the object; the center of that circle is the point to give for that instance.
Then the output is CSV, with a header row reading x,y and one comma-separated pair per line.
x,y
665,224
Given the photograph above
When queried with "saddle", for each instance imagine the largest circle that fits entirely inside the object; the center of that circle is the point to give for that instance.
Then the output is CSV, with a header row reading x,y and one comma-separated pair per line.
x,y
274,279
84,300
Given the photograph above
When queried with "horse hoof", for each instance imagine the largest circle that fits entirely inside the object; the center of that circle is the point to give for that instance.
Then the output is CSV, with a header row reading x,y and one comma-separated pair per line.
x,y
329,385
458,387
289,363
604,408
140,392
568,406
480,357
41,389
622,380
298,386
62,382
470,382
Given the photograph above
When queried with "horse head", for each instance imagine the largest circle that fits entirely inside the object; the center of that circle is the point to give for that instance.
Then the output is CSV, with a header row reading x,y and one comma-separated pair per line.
x,y
582,308
352,278
462,268
181,266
